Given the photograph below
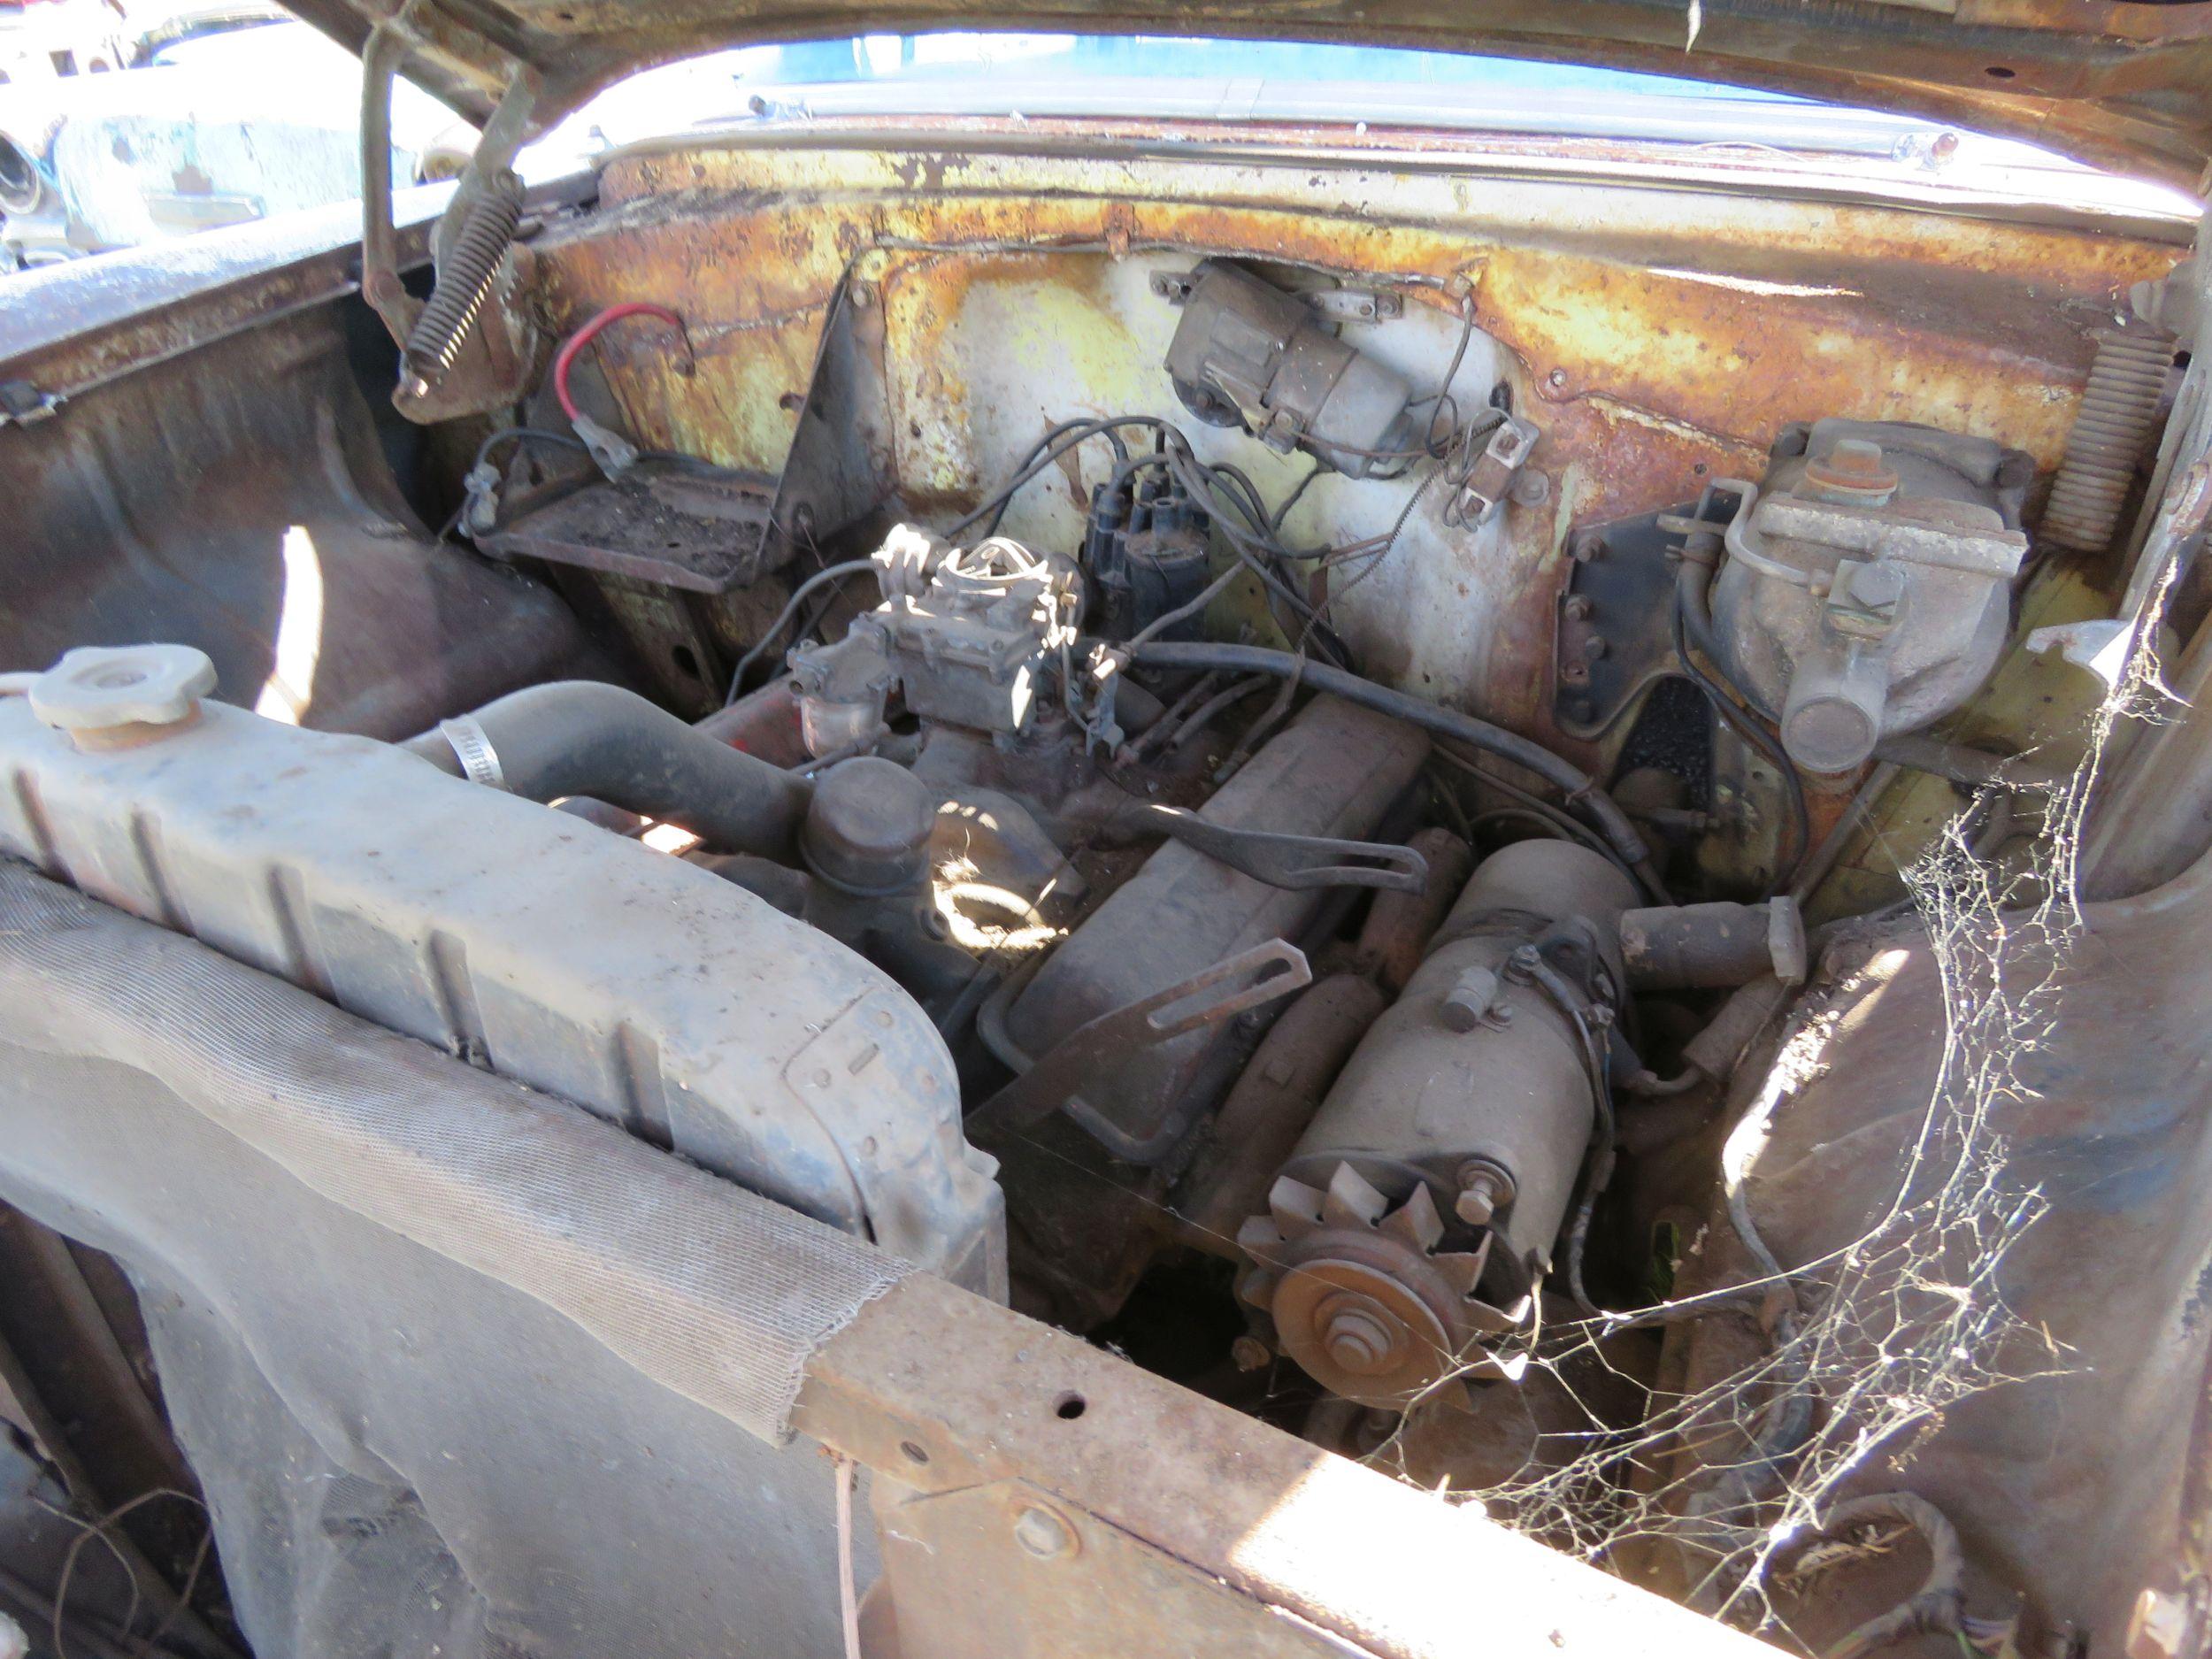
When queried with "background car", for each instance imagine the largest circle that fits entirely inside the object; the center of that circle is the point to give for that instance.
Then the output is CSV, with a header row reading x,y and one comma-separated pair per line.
x,y
226,114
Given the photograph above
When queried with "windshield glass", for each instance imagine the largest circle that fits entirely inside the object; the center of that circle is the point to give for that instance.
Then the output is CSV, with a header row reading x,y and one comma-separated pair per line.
x,y
1369,92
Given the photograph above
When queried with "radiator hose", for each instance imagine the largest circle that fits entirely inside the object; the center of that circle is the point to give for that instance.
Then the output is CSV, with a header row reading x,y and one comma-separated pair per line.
x,y
580,737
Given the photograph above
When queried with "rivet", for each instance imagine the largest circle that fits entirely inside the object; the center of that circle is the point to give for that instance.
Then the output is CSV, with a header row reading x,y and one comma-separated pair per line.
x,y
1043,1535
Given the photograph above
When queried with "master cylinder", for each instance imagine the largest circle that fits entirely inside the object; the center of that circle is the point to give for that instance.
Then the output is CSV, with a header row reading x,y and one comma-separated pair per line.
x,y
1412,1224
1867,586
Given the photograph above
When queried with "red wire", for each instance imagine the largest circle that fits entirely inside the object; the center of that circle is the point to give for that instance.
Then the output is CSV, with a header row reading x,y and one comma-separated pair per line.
x,y
589,332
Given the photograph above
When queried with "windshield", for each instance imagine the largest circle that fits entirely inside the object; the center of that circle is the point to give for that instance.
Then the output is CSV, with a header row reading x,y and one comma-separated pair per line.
x,y
1370,92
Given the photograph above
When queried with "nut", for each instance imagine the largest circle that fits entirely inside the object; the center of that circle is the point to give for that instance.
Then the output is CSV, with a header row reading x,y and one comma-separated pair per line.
x,y
1530,489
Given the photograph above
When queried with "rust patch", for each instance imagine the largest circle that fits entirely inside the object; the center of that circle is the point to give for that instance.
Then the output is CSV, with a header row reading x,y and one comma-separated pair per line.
x,y
1658,337
1716,328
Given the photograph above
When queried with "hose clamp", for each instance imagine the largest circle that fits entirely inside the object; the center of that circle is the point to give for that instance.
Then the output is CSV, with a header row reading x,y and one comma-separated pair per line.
x,y
480,761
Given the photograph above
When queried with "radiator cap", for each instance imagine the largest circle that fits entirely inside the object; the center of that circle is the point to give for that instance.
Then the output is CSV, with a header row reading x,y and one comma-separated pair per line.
x,y
110,689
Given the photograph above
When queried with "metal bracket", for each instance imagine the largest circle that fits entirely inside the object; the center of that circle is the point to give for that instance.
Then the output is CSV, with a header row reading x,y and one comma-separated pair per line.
x,y
1104,1046
23,404
1338,305
1295,863
1174,286
1496,469
1356,306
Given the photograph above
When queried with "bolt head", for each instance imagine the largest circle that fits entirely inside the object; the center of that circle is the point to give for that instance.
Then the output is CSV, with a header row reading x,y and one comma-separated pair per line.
x,y
1042,1534
1485,1190
1878,586
1358,1342
1859,457
1530,489
1853,470
1469,1002
1248,1353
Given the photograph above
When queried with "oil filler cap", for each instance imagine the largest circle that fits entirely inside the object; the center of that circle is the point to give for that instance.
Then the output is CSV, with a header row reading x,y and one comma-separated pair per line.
x,y
126,691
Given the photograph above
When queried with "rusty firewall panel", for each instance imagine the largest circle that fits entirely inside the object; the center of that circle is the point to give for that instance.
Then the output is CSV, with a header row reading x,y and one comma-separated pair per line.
x,y
1655,338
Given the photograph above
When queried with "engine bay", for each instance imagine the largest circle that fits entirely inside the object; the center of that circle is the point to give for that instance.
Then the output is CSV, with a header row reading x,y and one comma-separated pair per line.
x,y
1258,780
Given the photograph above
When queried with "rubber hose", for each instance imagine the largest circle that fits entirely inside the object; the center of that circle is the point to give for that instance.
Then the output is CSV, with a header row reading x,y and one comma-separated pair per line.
x,y
1693,586
1494,740
580,737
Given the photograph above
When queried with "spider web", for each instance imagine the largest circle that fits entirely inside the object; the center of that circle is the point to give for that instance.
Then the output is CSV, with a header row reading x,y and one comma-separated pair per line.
x,y
1856,1356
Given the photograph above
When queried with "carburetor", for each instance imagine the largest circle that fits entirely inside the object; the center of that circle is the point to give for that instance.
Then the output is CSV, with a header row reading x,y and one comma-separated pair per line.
x,y
970,636
1867,586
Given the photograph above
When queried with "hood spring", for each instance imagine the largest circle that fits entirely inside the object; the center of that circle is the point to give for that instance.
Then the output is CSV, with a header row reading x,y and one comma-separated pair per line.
x,y
465,279
2118,408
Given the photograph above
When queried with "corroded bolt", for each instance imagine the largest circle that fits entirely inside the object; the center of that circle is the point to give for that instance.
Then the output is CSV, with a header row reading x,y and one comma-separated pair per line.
x,y
1579,607
1857,457
1855,469
1248,1353
1358,1341
1530,489
1484,1190
1043,1535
